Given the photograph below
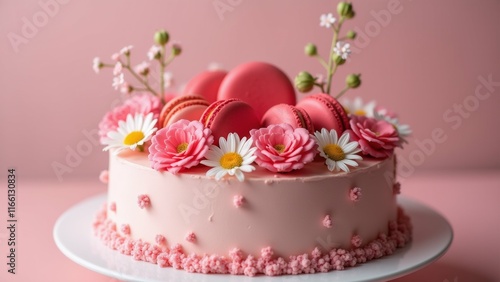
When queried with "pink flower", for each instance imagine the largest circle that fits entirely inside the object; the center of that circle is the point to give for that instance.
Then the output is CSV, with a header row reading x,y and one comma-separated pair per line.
x,y
143,104
377,138
281,148
238,200
180,145
355,194
143,201
118,68
327,221
190,237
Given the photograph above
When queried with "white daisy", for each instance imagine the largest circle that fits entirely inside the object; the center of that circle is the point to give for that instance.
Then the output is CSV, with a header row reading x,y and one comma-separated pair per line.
x,y
358,108
132,133
118,81
233,157
403,130
342,49
339,153
327,20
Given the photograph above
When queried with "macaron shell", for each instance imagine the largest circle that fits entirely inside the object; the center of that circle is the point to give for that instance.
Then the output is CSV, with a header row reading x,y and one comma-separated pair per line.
x,y
284,113
188,110
230,116
325,112
259,84
306,120
205,84
174,103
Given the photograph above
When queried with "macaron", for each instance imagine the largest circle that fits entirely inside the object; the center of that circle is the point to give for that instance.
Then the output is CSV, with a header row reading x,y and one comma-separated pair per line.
x,y
205,84
261,85
284,113
325,112
230,116
189,107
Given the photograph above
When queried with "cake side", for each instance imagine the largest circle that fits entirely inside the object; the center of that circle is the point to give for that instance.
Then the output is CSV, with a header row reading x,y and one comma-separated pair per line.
x,y
282,211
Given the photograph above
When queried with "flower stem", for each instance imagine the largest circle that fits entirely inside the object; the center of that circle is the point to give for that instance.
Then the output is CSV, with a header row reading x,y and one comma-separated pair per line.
x,y
145,83
162,70
331,66
322,62
342,92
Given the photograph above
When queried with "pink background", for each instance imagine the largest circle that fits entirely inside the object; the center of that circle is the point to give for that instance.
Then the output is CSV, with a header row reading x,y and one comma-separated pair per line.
x,y
423,62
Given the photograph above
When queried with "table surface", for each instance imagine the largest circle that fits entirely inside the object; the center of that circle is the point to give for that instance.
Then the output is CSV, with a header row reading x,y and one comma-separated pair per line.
x,y
468,199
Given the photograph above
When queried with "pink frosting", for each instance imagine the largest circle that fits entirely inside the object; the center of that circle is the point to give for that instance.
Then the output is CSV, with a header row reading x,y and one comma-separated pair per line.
x,y
327,221
143,201
296,147
112,206
356,241
355,194
125,229
191,237
104,176
377,138
143,103
160,239
180,145
236,263
238,200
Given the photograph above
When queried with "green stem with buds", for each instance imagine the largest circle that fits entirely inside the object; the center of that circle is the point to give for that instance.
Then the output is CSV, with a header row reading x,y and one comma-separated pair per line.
x,y
162,70
331,66
143,81
342,92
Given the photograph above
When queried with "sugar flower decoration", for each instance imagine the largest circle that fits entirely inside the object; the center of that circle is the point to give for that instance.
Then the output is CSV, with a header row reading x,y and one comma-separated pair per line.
x,y
180,145
377,138
327,20
233,157
342,49
143,104
403,130
282,148
339,153
132,133
358,108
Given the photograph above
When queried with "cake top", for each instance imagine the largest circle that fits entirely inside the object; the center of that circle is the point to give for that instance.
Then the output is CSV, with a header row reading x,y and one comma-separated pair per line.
x,y
248,117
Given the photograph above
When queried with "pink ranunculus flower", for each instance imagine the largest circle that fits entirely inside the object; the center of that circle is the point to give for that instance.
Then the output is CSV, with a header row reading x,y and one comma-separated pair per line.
x,y
377,138
143,104
180,145
282,148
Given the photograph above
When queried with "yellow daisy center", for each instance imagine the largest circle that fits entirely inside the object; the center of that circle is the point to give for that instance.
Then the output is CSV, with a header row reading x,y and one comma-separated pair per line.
x,y
334,152
360,112
133,138
279,148
230,160
182,147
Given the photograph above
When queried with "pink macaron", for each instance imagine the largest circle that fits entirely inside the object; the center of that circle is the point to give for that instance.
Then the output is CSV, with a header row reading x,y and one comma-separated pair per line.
x,y
325,112
205,84
261,85
189,107
230,116
284,113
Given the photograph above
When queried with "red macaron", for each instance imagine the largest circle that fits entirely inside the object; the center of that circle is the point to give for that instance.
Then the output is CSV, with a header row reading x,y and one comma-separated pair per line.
x,y
284,113
230,116
206,84
261,85
189,107
325,112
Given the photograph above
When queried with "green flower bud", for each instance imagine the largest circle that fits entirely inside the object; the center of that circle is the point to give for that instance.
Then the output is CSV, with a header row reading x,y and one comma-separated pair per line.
x,y
311,50
161,37
304,82
338,59
344,8
353,80
176,49
350,15
351,34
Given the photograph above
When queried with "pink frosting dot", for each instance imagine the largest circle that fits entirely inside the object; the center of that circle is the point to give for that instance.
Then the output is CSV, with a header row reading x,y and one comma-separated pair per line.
x,y
104,176
238,200
190,237
327,221
355,194
143,201
160,239
356,241
125,229
396,188
112,206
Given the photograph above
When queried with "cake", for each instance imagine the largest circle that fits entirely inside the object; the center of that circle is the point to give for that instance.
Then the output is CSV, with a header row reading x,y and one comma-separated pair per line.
x,y
235,176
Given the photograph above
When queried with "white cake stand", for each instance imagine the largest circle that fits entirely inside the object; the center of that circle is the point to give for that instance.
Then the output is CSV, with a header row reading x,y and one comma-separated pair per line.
x,y
432,235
